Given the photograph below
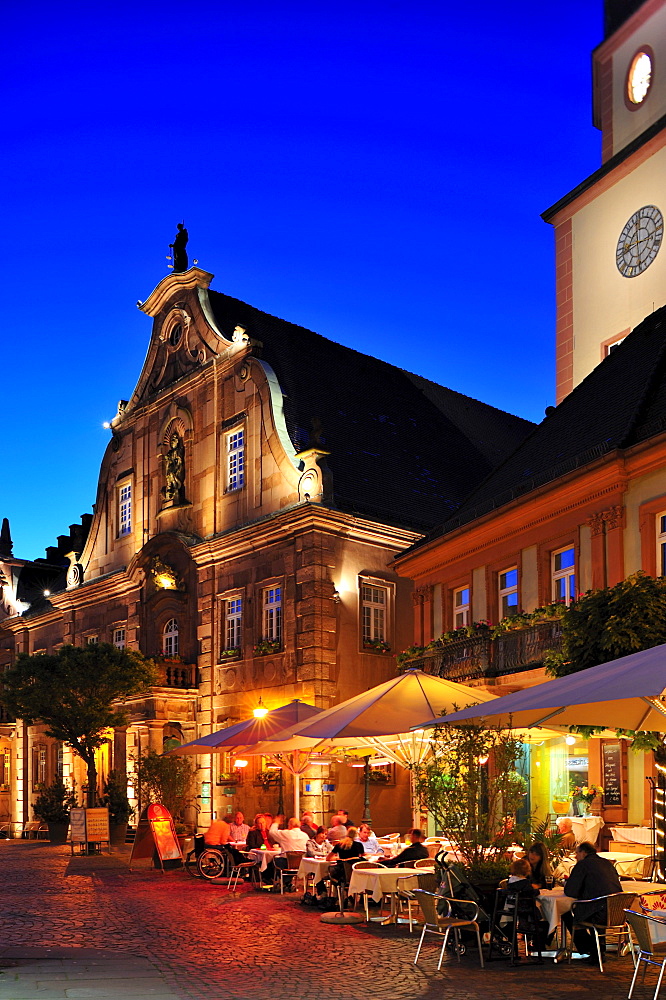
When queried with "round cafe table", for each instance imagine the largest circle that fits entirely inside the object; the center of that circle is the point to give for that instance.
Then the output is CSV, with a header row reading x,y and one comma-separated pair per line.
x,y
263,857
381,882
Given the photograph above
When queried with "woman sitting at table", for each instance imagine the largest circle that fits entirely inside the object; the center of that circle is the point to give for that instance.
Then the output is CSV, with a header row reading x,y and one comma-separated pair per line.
x,y
537,855
318,846
345,850
258,835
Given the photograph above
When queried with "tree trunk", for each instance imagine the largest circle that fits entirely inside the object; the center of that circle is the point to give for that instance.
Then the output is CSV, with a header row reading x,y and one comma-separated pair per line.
x,y
92,782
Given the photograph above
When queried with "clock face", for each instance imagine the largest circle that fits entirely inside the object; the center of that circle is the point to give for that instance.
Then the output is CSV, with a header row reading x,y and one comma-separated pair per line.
x,y
639,77
639,241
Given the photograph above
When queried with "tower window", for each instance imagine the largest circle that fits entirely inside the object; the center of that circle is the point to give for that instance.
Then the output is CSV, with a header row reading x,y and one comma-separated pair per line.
x,y
170,645
235,460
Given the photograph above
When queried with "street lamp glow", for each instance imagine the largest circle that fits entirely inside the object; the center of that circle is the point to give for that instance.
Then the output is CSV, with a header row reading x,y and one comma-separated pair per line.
x,y
261,710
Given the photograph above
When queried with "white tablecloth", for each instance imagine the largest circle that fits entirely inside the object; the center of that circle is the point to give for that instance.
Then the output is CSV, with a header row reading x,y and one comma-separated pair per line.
x,y
378,881
263,857
555,902
632,834
625,864
319,867
586,828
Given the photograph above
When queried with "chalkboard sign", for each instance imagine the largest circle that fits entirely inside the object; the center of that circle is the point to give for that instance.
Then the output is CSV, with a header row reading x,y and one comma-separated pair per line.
x,y
612,776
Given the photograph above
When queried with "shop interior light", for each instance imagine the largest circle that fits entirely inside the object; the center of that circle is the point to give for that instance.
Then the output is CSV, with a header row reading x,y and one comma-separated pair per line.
x,y
261,710
483,760
240,763
570,740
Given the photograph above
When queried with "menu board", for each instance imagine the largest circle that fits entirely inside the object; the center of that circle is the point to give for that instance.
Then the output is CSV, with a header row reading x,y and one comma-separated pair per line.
x,y
77,826
97,825
612,773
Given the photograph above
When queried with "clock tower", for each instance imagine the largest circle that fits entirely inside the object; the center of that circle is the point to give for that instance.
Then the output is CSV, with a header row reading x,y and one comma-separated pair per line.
x,y
610,262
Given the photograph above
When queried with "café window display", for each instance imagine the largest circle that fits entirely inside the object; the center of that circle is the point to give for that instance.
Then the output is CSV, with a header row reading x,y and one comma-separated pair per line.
x,y
558,772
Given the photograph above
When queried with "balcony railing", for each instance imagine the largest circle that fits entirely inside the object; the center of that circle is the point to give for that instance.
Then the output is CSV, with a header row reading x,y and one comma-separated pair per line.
x,y
480,656
177,675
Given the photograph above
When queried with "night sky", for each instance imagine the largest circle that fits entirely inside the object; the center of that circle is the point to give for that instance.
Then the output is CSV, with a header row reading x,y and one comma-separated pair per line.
x,y
375,172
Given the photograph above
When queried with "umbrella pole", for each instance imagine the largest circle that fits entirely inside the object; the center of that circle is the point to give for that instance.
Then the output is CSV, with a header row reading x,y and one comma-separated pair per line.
x,y
297,786
366,790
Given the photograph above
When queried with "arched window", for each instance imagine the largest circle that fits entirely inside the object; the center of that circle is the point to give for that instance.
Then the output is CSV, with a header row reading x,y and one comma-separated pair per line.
x,y
170,638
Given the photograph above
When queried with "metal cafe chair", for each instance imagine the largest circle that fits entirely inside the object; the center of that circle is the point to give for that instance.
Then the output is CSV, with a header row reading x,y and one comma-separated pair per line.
x,y
425,863
615,923
294,859
437,923
366,865
407,887
650,952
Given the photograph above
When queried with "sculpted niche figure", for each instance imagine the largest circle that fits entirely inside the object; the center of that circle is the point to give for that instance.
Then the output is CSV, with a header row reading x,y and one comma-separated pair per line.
x,y
180,261
174,469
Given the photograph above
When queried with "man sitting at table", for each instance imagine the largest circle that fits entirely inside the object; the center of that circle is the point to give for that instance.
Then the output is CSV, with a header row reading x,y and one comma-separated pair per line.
x,y
368,839
337,831
590,878
239,829
217,833
565,828
415,852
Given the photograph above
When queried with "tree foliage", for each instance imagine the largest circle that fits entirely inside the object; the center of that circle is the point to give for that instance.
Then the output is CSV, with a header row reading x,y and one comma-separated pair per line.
x,y
167,780
474,804
76,693
606,624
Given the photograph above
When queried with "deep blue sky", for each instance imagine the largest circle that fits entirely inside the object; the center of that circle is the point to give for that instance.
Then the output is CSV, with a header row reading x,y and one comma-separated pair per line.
x,y
375,172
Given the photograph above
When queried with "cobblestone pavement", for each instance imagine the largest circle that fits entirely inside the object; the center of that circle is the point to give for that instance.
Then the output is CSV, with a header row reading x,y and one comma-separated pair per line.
x,y
85,927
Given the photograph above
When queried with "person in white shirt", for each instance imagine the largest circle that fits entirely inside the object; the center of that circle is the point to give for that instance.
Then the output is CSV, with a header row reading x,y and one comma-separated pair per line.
x,y
319,846
368,839
239,829
291,839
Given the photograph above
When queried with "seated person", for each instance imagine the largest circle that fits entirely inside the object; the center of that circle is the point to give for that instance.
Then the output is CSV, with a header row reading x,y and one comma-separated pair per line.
x,y
590,878
337,831
318,846
291,839
239,829
520,878
529,922
537,855
308,824
565,827
415,852
368,839
344,818
348,849
258,835
217,833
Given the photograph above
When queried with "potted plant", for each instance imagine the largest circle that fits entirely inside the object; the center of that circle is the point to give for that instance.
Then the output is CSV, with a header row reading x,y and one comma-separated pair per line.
x,y
378,645
116,801
52,806
267,646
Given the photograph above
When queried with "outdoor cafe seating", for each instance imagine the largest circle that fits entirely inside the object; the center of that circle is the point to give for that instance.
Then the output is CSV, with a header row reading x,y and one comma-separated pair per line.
x,y
442,924
649,933
614,925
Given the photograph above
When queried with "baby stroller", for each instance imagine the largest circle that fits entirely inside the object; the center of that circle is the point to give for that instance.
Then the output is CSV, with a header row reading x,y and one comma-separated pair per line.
x,y
454,884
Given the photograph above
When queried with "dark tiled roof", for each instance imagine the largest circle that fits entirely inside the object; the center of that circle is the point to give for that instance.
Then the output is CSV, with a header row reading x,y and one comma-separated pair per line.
x,y
403,450
621,402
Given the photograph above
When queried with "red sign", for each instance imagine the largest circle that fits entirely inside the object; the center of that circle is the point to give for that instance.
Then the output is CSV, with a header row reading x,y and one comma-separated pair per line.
x,y
164,833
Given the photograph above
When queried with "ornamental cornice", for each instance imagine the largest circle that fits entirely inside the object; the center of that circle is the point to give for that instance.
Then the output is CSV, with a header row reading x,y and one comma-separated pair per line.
x,y
171,285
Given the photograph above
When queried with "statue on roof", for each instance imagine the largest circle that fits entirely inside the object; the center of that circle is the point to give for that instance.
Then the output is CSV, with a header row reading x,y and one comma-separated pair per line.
x,y
5,540
180,261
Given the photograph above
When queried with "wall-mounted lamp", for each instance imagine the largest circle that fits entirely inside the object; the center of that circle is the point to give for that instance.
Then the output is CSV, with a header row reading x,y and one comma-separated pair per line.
x,y
240,763
261,710
336,597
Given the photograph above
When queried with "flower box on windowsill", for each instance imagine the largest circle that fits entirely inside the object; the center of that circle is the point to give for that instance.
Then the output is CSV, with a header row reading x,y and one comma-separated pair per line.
x,y
230,654
376,646
229,778
4,788
267,646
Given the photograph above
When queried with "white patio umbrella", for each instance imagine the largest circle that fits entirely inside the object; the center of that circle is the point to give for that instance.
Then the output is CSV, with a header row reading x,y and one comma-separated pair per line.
x,y
381,719
627,693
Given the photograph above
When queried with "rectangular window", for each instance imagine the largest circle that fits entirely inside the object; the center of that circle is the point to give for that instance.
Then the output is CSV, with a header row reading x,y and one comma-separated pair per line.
x,y
5,759
272,614
119,638
92,640
233,623
38,766
564,575
125,509
373,605
235,460
461,607
661,544
508,592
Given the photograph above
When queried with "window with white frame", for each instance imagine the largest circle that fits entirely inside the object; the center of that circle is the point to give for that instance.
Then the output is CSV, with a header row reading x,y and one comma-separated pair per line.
x,y
125,508
271,624
235,459
461,607
92,640
170,638
564,575
5,763
119,637
38,766
374,602
661,543
508,592
233,623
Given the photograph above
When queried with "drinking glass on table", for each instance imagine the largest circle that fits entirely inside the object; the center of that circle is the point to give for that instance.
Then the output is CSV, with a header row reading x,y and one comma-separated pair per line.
x,y
550,881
